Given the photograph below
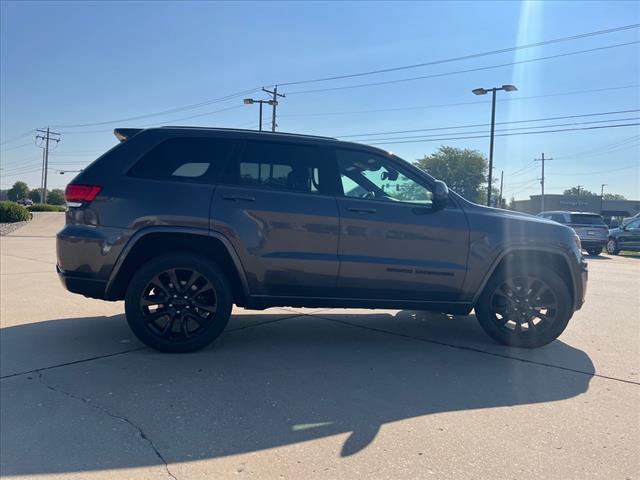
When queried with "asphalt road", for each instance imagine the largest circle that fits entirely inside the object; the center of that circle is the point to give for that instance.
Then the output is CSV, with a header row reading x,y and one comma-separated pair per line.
x,y
314,394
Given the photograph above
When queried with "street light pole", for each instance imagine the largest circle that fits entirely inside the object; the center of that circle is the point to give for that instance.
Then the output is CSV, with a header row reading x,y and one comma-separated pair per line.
x,y
251,101
484,91
493,128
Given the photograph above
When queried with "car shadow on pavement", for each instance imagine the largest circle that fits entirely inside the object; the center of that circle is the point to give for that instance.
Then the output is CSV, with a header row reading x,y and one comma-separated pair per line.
x,y
269,381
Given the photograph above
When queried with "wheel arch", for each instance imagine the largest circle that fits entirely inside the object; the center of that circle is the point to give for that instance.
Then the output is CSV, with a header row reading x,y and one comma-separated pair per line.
x,y
152,242
555,259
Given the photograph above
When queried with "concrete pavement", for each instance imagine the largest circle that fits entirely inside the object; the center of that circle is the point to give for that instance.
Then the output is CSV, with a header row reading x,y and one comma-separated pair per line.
x,y
299,393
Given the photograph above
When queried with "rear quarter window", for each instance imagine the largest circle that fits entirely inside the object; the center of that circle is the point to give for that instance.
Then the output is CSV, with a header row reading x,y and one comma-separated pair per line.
x,y
187,159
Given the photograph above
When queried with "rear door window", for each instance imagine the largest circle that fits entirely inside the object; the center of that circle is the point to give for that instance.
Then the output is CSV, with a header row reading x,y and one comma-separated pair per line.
x,y
187,159
585,219
282,166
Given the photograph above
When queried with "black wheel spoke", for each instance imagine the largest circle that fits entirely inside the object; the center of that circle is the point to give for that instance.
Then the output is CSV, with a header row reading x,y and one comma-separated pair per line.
x,y
523,305
180,295
173,278
152,317
152,300
166,331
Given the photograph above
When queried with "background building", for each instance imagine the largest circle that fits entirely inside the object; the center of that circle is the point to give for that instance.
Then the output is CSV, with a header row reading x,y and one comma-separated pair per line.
x,y
608,208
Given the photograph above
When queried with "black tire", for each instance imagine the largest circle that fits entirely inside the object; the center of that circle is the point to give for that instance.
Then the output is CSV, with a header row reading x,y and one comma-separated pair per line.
x,y
178,303
612,247
503,312
594,252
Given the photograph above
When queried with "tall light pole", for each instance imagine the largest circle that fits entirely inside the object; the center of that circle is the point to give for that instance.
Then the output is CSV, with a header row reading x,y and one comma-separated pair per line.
x,y
602,195
251,101
484,91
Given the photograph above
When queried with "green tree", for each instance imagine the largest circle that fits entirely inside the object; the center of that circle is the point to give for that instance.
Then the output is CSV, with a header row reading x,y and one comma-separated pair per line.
x,y
579,191
463,170
55,197
35,196
613,196
18,191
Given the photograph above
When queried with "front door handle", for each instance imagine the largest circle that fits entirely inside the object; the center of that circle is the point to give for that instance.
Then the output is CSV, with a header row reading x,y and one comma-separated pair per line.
x,y
362,209
245,198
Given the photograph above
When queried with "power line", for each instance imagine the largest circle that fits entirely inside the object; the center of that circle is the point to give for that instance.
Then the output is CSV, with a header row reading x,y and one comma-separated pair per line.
x,y
457,104
16,147
606,146
366,140
565,117
26,134
509,134
466,57
636,165
469,70
164,112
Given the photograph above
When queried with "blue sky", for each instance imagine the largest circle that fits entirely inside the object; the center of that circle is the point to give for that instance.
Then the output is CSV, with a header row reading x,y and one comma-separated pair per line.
x,y
70,63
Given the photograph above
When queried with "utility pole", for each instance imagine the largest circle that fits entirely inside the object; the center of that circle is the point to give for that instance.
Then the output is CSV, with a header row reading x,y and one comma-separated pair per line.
x,y
602,196
274,103
42,179
501,183
542,179
46,136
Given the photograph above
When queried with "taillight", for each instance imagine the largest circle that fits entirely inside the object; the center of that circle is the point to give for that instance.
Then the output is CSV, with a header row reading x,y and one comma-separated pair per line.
x,y
76,195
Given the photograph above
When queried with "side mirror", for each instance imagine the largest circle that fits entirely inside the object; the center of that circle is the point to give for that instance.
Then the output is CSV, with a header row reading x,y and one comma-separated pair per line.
x,y
440,195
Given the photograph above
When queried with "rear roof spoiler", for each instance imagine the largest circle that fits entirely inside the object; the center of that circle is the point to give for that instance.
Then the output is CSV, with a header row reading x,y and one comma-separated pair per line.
x,y
124,134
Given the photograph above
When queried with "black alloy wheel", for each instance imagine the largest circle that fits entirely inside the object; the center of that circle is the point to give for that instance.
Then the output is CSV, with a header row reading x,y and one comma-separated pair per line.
x,y
178,303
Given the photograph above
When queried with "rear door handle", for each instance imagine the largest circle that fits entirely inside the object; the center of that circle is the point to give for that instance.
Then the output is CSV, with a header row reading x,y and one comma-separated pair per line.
x,y
362,209
245,198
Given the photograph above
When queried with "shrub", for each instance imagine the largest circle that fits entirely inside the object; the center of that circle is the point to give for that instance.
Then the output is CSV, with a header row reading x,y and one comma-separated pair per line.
x,y
39,207
12,212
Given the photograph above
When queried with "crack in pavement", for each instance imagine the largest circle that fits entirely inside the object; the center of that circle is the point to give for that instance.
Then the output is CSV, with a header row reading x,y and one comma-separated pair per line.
x,y
105,411
124,352
478,350
75,362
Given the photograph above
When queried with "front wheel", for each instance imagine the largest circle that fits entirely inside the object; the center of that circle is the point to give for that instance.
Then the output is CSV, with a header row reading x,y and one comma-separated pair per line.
x,y
524,306
612,247
594,252
178,303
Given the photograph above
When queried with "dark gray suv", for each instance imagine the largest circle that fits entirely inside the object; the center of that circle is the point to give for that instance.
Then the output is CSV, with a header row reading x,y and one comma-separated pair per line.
x,y
182,223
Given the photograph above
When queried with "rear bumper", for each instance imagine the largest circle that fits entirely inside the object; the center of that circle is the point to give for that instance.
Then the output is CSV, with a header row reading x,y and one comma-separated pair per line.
x,y
593,243
89,287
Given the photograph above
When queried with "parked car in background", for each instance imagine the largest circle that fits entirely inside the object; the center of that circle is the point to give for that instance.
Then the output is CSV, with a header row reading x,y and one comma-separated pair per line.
x,y
590,227
625,237
628,219
181,223
25,201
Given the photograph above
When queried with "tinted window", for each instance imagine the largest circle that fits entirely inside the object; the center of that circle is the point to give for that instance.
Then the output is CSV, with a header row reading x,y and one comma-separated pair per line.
x,y
633,225
366,175
582,219
283,166
557,217
184,159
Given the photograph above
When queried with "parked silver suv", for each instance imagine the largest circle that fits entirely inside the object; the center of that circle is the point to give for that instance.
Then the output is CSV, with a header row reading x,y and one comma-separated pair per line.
x,y
590,227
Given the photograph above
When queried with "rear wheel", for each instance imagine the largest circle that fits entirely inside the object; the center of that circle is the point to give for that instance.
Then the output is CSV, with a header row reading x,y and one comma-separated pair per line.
x,y
612,247
594,251
524,306
178,303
